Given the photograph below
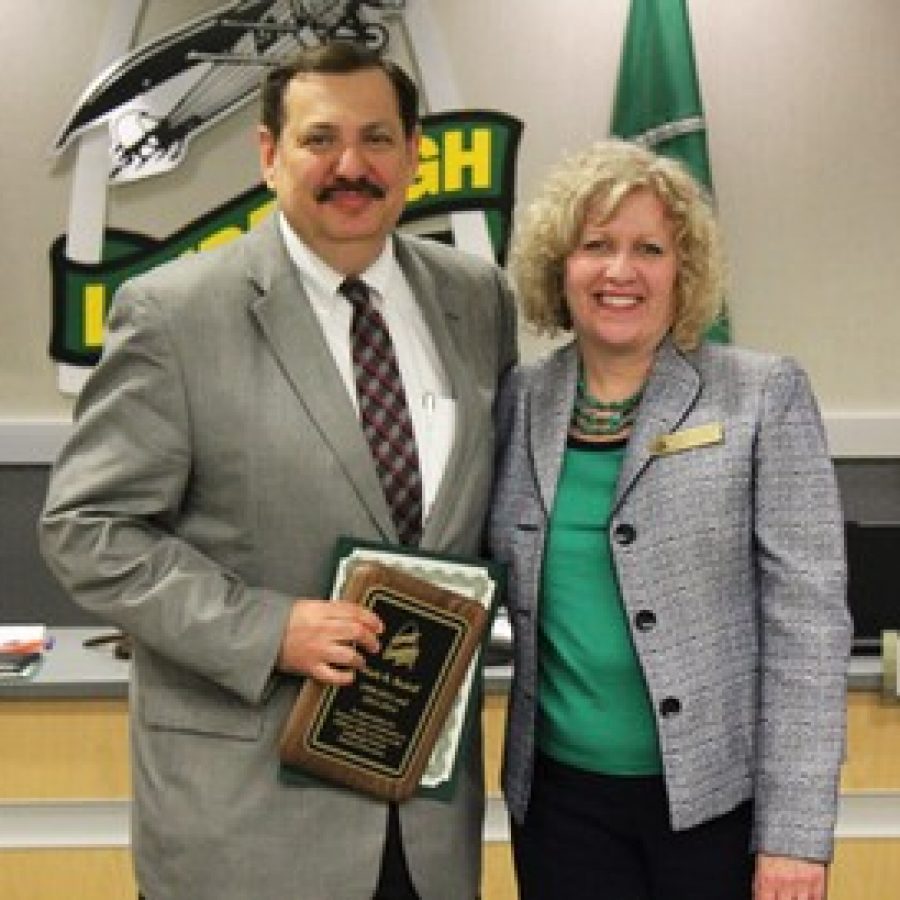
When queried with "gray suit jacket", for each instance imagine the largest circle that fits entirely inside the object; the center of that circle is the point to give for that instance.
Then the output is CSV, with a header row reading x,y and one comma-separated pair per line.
x,y
731,566
215,460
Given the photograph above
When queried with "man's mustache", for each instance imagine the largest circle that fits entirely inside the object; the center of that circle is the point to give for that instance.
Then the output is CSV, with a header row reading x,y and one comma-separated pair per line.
x,y
356,185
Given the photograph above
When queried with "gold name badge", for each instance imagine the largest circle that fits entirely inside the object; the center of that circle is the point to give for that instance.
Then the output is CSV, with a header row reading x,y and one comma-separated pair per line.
x,y
690,438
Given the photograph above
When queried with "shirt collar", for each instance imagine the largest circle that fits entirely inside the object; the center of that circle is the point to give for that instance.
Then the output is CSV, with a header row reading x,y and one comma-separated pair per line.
x,y
312,268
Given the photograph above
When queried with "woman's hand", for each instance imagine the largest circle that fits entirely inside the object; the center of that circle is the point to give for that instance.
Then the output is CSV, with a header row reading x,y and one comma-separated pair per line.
x,y
785,878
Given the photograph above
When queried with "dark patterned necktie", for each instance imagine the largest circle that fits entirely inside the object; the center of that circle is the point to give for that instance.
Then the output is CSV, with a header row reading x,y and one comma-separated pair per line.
x,y
383,412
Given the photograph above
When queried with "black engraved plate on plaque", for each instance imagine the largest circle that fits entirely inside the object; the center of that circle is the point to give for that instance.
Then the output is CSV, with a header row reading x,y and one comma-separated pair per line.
x,y
375,722
376,734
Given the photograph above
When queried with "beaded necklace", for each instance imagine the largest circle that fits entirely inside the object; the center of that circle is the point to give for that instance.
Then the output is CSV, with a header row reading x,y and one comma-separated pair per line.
x,y
600,417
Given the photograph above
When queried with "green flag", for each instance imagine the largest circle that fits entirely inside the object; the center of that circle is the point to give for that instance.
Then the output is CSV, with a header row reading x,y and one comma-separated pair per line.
x,y
657,100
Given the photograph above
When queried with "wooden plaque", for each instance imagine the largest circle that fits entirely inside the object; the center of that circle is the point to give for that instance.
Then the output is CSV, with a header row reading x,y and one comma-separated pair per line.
x,y
376,734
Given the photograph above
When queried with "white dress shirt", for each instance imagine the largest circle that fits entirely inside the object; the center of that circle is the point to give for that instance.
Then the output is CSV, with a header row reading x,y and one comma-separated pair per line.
x,y
431,407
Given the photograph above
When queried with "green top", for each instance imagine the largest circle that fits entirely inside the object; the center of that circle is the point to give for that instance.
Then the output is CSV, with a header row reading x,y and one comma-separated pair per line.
x,y
595,712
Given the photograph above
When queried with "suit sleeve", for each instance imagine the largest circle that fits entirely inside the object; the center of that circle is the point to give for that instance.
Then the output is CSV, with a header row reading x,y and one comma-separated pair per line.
x,y
805,629
108,529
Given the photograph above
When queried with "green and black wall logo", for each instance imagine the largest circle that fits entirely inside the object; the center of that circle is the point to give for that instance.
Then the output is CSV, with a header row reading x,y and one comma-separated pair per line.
x,y
466,162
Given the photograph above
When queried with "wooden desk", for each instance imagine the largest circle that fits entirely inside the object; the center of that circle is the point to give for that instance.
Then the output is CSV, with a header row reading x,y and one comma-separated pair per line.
x,y
72,749
863,866
65,781
873,744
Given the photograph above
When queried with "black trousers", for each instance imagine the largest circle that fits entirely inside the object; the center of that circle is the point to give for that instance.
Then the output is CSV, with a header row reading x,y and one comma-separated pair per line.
x,y
597,837
394,882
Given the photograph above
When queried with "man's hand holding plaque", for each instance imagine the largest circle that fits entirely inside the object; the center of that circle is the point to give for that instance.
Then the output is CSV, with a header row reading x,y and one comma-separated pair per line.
x,y
377,733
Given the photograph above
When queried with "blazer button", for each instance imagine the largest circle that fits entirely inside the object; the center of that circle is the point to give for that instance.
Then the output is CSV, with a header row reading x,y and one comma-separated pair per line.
x,y
624,534
670,706
645,620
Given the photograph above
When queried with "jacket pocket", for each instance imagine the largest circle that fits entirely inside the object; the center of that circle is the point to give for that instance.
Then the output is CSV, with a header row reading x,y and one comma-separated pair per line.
x,y
174,699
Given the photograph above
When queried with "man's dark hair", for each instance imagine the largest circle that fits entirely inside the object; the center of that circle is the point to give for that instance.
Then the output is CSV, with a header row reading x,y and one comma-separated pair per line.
x,y
336,58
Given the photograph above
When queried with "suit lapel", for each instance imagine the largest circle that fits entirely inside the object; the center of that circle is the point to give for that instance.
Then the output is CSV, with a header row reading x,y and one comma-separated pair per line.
x,y
671,391
549,412
290,328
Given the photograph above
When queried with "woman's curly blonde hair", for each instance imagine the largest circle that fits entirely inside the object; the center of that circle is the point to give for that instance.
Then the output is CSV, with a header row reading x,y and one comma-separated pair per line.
x,y
548,230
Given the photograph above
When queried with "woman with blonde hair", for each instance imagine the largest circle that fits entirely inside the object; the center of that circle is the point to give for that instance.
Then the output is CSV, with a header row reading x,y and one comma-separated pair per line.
x,y
668,512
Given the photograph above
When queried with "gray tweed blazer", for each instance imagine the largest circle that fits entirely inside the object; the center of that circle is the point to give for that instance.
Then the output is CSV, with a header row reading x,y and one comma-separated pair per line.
x,y
730,558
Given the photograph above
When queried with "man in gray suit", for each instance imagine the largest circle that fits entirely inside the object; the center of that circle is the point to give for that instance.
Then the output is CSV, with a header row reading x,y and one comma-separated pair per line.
x,y
217,457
